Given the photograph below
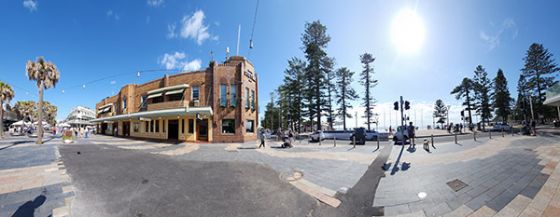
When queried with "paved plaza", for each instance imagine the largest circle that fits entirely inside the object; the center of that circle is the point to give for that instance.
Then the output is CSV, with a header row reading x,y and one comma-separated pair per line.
x,y
508,175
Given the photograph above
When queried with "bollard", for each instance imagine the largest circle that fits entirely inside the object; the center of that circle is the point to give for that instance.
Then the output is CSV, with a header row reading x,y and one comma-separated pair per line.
x,y
432,139
474,135
455,138
354,141
503,135
335,141
378,141
490,133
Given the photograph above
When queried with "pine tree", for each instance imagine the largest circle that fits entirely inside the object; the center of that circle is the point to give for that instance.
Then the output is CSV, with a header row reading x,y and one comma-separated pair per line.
x,y
315,40
330,89
369,83
465,90
345,93
522,111
539,70
440,111
294,83
501,99
482,87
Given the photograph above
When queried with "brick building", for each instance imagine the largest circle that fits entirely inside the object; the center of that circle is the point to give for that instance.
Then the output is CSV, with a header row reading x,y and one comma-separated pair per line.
x,y
218,104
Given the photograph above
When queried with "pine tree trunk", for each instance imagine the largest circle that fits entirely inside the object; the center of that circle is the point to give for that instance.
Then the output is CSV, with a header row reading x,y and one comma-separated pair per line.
x,y
40,121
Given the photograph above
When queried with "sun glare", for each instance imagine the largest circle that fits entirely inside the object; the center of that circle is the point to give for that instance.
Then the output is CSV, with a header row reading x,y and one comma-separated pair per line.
x,y
408,31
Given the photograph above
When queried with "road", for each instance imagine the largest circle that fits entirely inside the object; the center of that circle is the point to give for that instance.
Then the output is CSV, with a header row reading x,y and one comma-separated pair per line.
x,y
116,182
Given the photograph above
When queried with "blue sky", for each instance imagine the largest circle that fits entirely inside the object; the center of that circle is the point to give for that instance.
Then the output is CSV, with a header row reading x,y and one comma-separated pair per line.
x,y
89,40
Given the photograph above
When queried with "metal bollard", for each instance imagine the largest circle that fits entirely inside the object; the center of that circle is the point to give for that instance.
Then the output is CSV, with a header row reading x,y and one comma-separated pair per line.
x,y
503,135
455,138
490,133
432,139
378,141
354,141
474,135
335,141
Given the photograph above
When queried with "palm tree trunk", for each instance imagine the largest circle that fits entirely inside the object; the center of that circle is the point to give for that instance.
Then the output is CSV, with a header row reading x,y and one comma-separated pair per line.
x,y
40,121
1,118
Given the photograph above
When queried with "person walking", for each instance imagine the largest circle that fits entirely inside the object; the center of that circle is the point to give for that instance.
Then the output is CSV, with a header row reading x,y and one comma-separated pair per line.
x,y
261,137
411,135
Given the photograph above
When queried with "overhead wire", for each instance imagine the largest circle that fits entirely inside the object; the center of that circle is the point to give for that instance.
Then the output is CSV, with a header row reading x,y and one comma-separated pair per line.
x,y
253,29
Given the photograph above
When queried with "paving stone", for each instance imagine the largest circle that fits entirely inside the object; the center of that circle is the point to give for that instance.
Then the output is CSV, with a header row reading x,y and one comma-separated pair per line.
x,y
478,201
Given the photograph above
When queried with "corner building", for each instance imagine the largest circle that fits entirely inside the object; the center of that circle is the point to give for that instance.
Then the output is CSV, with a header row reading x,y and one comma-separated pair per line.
x,y
218,104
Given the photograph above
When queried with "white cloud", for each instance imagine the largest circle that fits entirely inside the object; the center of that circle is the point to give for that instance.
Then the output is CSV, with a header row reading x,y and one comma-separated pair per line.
x,y
494,40
31,5
178,60
171,30
155,3
192,27
113,82
112,15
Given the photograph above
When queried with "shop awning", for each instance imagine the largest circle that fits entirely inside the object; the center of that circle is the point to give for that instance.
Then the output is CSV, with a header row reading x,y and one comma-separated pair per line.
x,y
206,110
170,88
174,92
154,95
104,110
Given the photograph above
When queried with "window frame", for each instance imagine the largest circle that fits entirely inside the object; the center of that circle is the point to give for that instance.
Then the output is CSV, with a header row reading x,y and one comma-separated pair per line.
x,y
197,88
253,100
191,126
252,126
247,99
233,95
223,95
222,127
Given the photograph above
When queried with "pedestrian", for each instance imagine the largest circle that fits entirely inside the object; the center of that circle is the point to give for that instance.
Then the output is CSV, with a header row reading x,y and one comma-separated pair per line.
x,y
261,137
461,128
86,133
411,135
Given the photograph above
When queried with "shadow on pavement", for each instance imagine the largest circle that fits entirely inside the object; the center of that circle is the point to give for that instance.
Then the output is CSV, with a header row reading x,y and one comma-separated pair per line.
x,y
29,207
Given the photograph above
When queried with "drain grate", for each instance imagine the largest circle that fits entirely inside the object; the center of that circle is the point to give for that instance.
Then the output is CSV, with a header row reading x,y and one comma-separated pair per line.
x,y
456,185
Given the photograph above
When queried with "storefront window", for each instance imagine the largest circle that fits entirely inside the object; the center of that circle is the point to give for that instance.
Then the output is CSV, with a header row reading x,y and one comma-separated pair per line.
x,y
191,126
249,126
233,95
223,95
157,126
228,126
195,92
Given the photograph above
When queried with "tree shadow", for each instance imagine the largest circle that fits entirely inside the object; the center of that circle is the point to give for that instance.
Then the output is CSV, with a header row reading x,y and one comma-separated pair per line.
x,y
29,207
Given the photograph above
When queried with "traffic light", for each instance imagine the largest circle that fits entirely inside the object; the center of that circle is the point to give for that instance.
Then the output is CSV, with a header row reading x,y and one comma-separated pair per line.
x,y
396,104
463,113
406,105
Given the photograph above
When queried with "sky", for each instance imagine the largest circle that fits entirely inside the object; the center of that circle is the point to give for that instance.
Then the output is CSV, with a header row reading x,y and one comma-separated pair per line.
x,y
99,46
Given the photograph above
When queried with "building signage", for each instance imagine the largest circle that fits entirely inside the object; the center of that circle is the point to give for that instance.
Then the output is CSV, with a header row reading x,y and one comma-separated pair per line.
x,y
250,75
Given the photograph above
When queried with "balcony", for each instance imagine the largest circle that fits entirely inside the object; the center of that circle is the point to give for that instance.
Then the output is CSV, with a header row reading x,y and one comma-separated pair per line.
x,y
167,105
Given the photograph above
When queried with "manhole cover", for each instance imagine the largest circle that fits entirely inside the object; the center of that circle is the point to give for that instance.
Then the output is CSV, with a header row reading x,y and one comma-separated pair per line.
x,y
456,185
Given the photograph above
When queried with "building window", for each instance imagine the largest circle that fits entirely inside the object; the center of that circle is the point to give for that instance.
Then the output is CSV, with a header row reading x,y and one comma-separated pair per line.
x,y
124,103
249,126
228,126
233,95
195,93
247,100
157,126
253,100
152,126
191,126
175,97
143,101
157,99
183,126
146,126
223,95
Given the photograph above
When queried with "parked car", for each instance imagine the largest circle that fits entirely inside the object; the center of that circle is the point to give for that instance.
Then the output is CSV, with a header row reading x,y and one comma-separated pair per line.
x,y
401,135
317,136
501,126
360,136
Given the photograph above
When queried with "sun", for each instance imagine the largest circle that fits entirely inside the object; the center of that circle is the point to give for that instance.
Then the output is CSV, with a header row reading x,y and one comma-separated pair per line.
x,y
408,31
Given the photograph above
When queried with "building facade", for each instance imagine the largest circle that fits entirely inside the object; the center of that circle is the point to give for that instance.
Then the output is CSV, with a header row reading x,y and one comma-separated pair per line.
x,y
217,104
80,117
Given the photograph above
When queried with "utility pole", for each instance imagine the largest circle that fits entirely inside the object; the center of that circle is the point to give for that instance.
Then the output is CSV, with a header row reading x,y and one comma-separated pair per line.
x,y
402,112
356,115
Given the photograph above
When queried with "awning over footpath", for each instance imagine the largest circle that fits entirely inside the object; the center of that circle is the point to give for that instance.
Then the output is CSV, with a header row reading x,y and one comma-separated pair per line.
x,y
206,110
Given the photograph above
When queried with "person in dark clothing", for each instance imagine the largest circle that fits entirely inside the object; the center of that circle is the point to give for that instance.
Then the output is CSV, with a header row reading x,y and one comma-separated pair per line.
x,y
534,127
411,134
261,137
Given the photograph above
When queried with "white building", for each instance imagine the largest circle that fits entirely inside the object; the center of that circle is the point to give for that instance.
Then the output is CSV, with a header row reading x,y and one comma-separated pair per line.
x,y
80,116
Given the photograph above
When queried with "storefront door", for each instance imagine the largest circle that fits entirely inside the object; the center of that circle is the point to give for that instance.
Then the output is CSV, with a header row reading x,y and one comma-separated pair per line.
x,y
173,129
202,129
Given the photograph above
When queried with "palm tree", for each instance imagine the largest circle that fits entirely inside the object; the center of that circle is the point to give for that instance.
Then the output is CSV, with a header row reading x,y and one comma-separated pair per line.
x,y
46,74
25,110
6,94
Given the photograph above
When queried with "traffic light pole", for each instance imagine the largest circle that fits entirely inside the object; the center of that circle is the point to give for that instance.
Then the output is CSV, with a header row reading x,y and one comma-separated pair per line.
x,y
402,111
